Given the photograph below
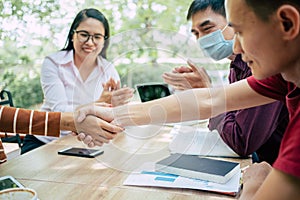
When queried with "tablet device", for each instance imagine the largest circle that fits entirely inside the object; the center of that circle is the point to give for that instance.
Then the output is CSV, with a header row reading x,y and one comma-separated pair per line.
x,y
9,182
81,152
151,91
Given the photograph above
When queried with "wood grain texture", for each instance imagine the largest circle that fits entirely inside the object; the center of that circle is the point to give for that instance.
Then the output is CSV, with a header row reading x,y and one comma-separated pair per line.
x,y
57,177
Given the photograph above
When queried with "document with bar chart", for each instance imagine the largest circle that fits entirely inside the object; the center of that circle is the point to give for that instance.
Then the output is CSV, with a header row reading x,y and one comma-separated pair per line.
x,y
147,176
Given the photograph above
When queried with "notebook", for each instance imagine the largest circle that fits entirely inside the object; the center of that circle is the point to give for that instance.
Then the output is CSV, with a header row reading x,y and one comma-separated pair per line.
x,y
192,166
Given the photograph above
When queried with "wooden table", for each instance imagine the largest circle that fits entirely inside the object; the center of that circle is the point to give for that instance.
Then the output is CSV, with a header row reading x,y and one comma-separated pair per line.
x,y
57,177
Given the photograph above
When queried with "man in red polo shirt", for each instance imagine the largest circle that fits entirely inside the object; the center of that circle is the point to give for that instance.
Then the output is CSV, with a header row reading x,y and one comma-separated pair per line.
x,y
267,35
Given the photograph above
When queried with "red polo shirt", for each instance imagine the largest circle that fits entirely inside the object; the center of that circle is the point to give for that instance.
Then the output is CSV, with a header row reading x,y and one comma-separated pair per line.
x,y
276,87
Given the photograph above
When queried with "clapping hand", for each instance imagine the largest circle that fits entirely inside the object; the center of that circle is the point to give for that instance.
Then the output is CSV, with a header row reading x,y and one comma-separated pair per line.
x,y
114,94
183,78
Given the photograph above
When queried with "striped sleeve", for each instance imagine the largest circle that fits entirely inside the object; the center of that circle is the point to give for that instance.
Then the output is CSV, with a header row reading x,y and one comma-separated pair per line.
x,y
17,120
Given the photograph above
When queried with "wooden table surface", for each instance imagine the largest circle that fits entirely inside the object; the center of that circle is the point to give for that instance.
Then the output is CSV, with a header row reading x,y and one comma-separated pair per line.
x,y
57,177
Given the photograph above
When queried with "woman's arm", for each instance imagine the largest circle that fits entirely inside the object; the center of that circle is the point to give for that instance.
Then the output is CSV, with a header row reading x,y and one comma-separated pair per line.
x,y
18,120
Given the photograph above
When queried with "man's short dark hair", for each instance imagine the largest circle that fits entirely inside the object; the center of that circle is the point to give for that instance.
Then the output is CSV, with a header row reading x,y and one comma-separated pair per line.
x,y
264,8
201,5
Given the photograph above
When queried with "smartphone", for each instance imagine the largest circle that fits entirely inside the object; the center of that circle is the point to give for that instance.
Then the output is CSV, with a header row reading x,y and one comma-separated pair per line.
x,y
81,152
9,182
151,91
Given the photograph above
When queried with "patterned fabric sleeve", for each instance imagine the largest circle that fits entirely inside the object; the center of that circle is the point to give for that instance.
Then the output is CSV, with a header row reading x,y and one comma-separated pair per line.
x,y
17,120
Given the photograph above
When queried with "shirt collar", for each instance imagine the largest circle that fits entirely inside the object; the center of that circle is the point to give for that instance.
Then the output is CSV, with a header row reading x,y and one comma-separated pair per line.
x,y
67,57
62,57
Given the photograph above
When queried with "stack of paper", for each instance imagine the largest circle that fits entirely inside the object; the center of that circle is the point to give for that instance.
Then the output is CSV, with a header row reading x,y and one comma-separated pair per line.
x,y
199,141
147,176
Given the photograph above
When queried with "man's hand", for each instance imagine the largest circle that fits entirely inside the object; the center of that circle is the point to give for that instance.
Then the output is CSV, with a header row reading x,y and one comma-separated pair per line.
x,y
93,124
257,172
253,178
183,78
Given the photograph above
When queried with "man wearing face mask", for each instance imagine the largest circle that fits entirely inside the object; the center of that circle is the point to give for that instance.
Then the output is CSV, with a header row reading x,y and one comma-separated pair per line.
x,y
259,129
214,44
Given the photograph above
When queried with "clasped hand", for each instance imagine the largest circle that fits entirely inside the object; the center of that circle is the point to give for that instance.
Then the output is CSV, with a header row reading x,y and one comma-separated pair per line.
x,y
93,121
93,125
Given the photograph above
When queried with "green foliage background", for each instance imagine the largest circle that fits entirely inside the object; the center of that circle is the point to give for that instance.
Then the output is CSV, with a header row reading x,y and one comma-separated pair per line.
x,y
32,29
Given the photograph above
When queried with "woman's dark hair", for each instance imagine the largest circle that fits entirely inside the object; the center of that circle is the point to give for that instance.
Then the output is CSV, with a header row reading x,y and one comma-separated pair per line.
x,y
264,8
81,16
201,5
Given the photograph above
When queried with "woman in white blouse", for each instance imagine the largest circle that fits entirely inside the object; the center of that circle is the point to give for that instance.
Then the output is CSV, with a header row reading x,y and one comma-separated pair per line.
x,y
79,73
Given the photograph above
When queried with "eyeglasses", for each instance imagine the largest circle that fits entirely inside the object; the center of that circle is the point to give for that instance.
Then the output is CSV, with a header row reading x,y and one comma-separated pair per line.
x,y
84,36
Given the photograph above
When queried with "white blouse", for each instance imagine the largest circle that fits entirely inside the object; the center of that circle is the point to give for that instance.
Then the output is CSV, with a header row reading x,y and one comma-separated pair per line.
x,y
63,86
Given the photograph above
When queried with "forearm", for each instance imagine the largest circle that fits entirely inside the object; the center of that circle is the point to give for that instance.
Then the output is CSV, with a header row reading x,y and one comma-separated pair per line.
x,y
182,106
67,122
190,105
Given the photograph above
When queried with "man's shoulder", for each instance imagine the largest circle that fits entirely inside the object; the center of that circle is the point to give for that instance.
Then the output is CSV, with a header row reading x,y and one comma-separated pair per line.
x,y
274,87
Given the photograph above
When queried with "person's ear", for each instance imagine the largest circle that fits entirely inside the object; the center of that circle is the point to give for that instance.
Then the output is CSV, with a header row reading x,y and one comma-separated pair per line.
x,y
289,18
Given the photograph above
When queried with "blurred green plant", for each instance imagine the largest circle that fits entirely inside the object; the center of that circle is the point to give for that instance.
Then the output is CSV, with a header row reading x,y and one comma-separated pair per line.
x,y
24,87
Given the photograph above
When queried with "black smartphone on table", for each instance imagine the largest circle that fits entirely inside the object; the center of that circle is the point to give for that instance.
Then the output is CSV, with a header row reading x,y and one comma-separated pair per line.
x,y
81,152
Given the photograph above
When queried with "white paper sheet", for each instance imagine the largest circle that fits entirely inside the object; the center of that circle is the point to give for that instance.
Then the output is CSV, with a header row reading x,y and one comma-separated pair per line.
x,y
147,176
199,141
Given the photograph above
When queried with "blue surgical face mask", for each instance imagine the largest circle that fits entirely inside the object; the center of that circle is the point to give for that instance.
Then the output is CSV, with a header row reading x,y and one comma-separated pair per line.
x,y
215,46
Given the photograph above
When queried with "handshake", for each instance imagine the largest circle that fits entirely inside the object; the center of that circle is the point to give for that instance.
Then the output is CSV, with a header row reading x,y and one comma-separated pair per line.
x,y
95,124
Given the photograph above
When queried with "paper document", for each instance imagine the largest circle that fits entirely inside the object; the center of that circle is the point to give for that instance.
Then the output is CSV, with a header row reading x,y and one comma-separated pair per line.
x,y
199,141
147,176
